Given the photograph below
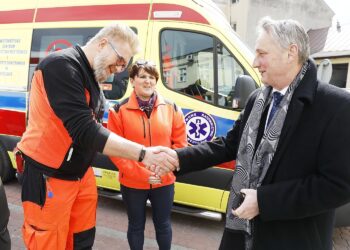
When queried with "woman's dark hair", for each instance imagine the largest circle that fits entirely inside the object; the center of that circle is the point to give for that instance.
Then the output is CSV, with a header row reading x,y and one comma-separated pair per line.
x,y
148,67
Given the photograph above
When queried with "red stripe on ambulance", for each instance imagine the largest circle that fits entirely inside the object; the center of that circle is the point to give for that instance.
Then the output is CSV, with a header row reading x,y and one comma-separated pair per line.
x,y
98,12
17,16
12,122
113,12
95,12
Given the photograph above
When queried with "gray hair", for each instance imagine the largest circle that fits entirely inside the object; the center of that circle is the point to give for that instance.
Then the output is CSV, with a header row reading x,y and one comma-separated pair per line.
x,y
285,33
121,32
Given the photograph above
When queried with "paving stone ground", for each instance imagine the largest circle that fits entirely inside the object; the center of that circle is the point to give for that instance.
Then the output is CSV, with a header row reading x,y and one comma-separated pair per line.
x,y
188,232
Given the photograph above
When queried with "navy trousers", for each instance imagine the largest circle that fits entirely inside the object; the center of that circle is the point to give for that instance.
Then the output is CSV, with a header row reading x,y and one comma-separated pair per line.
x,y
162,201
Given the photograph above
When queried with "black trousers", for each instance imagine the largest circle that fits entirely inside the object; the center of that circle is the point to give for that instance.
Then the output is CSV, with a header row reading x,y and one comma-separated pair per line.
x,y
162,201
5,241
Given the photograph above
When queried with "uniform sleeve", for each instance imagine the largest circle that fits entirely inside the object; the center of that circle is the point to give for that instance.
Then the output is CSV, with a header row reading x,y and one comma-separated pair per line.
x,y
115,125
178,135
63,82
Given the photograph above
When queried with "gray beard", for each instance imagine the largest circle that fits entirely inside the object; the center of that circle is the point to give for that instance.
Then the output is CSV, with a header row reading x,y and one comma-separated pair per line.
x,y
100,75
99,69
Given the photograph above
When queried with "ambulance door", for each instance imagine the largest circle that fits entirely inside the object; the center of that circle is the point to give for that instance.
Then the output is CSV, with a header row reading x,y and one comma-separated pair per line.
x,y
199,72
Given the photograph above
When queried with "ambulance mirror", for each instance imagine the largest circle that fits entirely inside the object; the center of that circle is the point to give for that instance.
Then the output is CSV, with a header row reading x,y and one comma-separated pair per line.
x,y
115,86
245,85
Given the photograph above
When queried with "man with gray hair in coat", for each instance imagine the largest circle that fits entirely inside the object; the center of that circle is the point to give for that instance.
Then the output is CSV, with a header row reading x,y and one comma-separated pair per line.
x,y
291,146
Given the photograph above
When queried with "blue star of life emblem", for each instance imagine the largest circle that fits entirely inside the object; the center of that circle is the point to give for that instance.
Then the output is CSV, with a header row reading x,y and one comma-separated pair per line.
x,y
200,127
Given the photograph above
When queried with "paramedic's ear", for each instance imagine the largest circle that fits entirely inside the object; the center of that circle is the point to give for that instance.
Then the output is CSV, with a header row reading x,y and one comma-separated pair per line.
x,y
102,43
132,82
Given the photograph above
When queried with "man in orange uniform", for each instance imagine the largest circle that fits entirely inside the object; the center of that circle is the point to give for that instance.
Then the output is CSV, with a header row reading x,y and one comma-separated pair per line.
x,y
63,136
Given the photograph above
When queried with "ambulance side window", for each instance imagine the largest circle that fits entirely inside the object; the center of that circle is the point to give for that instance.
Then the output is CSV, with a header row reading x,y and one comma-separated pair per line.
x,y
46,41
187,60
199,65
228,71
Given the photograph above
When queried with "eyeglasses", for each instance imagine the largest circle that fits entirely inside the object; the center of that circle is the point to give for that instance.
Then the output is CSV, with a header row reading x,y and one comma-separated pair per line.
x,y
120,58
144,62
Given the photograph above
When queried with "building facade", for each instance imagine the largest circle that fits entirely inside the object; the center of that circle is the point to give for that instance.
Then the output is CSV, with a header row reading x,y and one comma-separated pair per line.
x,y
244,15
333,44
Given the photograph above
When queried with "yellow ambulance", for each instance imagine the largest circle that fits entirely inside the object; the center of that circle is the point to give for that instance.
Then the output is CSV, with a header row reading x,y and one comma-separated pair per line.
x,y
204,67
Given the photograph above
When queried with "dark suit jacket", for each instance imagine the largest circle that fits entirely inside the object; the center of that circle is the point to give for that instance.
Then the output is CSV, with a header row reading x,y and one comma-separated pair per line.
x,y
309,175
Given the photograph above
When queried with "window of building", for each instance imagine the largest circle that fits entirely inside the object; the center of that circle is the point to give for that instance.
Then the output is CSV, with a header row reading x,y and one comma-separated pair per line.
x,y
182,74
339,74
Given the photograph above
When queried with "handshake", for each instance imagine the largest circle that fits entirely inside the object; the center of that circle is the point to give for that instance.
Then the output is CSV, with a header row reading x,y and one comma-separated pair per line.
x,y
160,161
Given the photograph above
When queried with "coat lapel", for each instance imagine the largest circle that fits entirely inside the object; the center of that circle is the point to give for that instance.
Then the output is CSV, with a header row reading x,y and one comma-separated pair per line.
x,y
303,95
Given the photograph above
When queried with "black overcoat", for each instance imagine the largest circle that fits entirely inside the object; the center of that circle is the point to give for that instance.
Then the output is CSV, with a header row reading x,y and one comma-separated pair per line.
x,y
309,175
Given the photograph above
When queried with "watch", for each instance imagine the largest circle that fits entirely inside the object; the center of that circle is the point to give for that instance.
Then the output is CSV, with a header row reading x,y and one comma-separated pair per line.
x,y
142,154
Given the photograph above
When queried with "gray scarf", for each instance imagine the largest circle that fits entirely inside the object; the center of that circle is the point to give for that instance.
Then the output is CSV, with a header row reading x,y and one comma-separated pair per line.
x,y
251,167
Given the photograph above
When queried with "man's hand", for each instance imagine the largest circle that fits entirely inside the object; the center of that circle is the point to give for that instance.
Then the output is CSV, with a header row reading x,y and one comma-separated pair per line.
x,y
161,170
249,207
160,160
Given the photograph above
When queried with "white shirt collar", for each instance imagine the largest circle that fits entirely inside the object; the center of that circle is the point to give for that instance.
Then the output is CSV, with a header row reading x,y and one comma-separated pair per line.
x,y
283,91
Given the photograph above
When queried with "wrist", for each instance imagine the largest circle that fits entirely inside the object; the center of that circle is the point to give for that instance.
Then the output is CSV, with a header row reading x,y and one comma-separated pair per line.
x,y
142,154
177,168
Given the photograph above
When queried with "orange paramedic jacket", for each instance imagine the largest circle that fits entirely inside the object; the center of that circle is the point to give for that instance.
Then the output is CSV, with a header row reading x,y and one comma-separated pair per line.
x,y
63,134
165,127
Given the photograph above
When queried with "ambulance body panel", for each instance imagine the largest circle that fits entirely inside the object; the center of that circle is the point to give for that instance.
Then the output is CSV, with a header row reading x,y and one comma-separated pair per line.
x,y
198,55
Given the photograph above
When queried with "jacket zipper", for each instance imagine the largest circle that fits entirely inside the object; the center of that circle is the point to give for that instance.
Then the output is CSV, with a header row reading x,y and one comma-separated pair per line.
x,y
144,127
144,134
150,138
149,131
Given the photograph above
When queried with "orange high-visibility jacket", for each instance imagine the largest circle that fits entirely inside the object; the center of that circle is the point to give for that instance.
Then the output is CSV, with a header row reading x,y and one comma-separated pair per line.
x,y
63,135
165,127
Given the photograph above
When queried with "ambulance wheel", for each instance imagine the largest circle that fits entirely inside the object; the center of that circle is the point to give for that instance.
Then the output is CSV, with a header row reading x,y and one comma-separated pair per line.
x,y
7,172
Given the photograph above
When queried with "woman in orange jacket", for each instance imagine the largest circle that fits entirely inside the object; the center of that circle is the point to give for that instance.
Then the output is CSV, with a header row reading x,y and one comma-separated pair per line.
x,y
149,119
